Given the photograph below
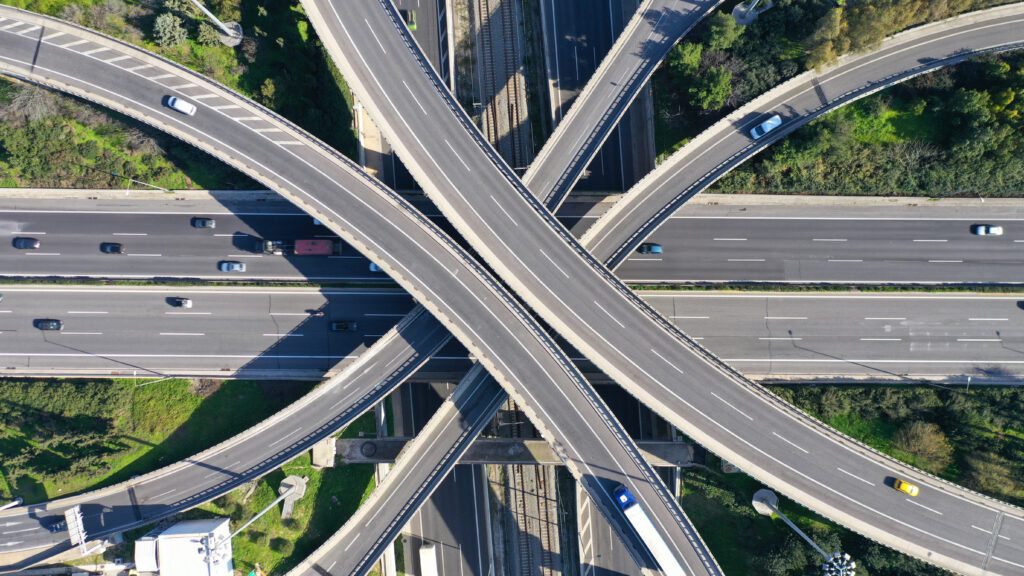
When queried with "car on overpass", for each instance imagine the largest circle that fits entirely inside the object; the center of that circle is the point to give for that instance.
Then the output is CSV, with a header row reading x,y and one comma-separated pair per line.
x,y
231,266
111,248
986,230
48,324
25,243
765,127
200,222
906,487
183,106
650,248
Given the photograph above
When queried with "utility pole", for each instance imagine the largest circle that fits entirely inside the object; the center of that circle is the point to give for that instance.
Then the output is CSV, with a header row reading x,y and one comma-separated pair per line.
x,y
745,13
835,564
231,32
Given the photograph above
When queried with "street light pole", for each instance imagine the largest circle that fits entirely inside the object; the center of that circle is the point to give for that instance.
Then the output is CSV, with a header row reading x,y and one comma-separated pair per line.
x,y
231,32
836,564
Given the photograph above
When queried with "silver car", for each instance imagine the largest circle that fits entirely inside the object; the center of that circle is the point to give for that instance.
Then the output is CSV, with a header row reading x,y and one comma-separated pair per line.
x,y
765,127
183,106
231,266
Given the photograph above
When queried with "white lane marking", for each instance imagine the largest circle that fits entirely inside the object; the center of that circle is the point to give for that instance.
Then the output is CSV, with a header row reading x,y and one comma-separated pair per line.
x,y
989,319
881,339
746,260
852,475
261,130
505,212
282,335
183,86
729,239
225,107
690,317
245,118
182,334
450,147
147,255
49,37
928,240
779,338
114,59
828,239
923,506
32,233
414,98
188,313
557,267
844,260
289,314
29,29
95,51
785,317
6,311
160,77
790,443
42,253
130,234
331,567
614,319
727,403
370,28
646,259
20,531
674,367
86,312
15,25
80,333
245,255
288,143
205,96
171,491
883,318
137,68
979,339
282,438
946,261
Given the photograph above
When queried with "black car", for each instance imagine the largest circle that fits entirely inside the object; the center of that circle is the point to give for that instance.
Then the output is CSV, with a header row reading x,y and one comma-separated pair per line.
x,y
48,324
344,326
199,222
25,243
111,248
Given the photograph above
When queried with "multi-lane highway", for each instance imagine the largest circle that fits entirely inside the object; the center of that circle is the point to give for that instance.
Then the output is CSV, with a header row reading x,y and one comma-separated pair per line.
x,y
273,333
618,333
421,259
640,46
727,144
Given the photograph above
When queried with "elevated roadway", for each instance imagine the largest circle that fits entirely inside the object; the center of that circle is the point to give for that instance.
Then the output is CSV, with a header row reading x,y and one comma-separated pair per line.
x,y
415,253
633,344
727,144
622,74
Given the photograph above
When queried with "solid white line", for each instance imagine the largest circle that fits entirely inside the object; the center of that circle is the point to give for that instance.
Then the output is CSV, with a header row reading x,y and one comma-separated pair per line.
x,y
151,498
869,483
281,439
86,312
746,260
188,313
81,333
75,43
205,96
182,334
147,255
790,443
724,401
780,338
923,506
450,147
729,239
828,239
557,267
931,240
225,107
245,255
982,529
979,339
130,234
29,29
94,51
882,318
609,314
289,314
414,98
183,86
136,68
645,259
989,319
42,253
370,28
785,317
283,335
946,261
881,339
842,260
29,233
160,77
114,59
49,37
502,208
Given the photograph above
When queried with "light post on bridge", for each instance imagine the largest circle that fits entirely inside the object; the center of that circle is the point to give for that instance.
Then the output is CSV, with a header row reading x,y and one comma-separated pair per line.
x,y
231,32
836,564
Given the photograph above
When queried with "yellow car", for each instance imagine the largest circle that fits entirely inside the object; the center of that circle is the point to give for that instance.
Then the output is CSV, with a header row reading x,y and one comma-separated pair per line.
x,y
906,487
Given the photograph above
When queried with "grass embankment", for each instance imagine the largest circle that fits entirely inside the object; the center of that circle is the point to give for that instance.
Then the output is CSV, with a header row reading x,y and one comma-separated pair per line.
x,y
58,437
56,141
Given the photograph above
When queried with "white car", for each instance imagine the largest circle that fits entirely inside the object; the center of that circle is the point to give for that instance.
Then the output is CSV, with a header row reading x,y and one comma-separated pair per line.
x,y
183,106
765,127
986,230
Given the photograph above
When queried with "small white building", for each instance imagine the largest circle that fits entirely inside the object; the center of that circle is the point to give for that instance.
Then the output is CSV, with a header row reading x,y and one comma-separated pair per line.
x,y
188,548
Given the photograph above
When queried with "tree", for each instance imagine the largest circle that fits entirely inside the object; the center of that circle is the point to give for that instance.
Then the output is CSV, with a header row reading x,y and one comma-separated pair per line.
x,y
723,31
711,90
207,35
168,30
827,42
926,441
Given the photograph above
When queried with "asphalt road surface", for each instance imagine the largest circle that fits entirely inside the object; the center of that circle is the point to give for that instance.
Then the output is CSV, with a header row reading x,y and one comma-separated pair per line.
x,y
628,341
728,143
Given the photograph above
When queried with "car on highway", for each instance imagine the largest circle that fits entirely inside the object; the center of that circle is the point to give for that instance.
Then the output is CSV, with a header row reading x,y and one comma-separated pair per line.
x,y
200,222
986,230
344,326
230,266
409,17
649,248
906,487
765,127
25,243
48,324
183,106
111,248
181,302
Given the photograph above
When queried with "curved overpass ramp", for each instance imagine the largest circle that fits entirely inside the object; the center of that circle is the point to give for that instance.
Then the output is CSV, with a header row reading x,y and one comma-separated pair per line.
x,y
444,278
782,447
727,144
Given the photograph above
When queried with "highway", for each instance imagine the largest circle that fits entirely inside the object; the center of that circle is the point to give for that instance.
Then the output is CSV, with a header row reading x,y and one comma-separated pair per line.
x,y
596,111
269,333
422,260
727,144
759,243
731,416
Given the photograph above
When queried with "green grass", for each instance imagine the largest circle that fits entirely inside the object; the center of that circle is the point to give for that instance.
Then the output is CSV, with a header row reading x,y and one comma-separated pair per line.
x,y
332,496
63,436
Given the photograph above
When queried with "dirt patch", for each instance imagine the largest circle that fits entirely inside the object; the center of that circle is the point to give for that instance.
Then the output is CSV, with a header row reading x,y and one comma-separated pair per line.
x,y
204,387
